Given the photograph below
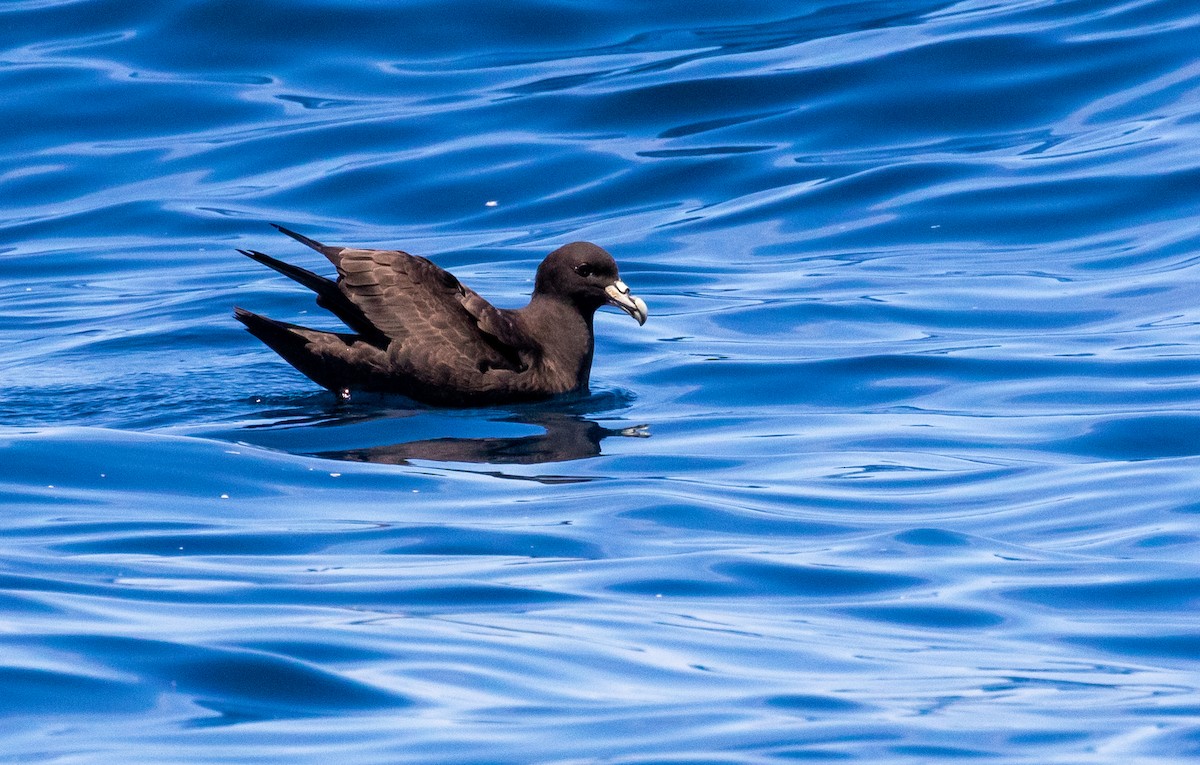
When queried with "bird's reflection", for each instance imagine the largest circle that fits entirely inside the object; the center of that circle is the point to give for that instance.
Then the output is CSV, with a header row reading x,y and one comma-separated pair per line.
x,y
371,429
566,437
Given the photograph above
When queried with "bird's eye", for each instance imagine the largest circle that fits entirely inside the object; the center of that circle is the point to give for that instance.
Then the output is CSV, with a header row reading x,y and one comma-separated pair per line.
x,y
585,270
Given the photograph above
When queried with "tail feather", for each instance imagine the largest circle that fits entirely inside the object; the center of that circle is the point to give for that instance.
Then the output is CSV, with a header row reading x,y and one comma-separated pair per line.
x,y
326,358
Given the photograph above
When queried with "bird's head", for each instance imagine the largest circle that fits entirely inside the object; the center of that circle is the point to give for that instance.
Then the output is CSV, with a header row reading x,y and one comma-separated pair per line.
x,y
587,276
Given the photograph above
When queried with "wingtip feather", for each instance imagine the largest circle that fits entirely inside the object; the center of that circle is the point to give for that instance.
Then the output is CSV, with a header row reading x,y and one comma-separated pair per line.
x,y
301,238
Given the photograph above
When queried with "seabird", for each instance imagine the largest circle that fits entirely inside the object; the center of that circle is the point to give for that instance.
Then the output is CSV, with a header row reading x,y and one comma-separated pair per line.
x,y
419,332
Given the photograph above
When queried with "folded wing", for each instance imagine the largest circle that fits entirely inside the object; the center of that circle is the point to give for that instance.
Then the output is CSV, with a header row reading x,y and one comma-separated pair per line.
x,y
390,297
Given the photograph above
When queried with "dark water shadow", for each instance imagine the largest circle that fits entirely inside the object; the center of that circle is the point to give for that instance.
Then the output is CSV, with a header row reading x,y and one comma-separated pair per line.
x,y
565,437
390,431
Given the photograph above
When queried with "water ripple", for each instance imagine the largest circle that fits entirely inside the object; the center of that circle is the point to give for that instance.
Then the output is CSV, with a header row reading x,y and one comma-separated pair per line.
x,y
902,469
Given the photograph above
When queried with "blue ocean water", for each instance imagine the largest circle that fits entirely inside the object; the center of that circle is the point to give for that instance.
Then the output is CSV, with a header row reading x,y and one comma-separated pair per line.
x,y
905,466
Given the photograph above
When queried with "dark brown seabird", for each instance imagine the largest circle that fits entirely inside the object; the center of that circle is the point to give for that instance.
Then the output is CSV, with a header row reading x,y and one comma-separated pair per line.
x,y
419,332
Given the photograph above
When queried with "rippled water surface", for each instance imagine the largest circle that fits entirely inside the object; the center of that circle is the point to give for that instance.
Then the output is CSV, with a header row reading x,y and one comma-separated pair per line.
x,y
905,466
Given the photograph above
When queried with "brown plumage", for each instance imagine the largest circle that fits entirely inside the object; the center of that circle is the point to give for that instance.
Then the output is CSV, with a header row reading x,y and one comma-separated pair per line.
x,y
418,332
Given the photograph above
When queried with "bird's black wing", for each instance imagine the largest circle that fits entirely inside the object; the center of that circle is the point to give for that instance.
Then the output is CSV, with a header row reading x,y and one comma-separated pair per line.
x,y
412,301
